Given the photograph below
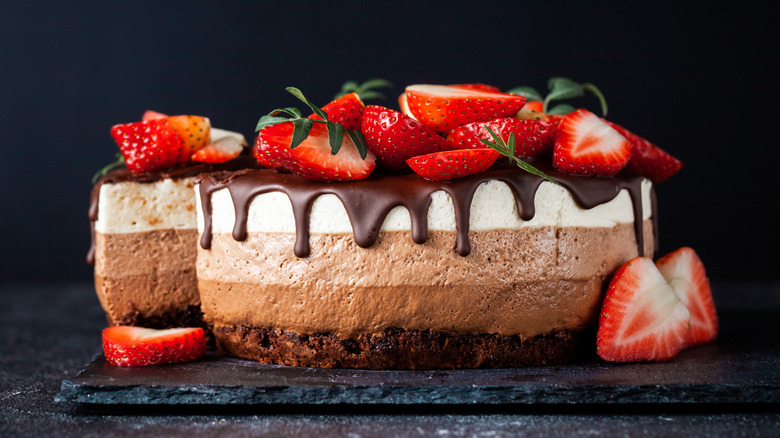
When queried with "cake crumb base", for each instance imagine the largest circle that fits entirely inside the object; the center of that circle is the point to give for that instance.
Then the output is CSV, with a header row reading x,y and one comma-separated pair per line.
x,y
398,348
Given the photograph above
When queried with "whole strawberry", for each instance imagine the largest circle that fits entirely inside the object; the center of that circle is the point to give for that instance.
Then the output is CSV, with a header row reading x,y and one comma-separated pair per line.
x,y
347,111
395,138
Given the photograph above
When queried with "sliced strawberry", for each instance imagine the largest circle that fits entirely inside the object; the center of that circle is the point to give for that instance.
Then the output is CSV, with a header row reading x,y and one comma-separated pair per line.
x,y
532,137
443,108
642,319
347,111
150,146
685,273
404,105
258,154
312,158
479,87
534,105
448,165
395,138
138,346
151,115
648,159
220,151
586,145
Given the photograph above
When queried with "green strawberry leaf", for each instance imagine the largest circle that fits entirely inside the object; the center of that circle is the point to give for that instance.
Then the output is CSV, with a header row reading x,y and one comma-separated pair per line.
x,y
561,108
301,130
269,120
563,88
527,92
366,90
360,142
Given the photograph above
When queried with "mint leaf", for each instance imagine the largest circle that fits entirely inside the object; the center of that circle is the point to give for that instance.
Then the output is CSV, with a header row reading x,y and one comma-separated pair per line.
x,y
335,137
593,89
366,90
292,111
563,88
507,149
267,121
360,142
561,108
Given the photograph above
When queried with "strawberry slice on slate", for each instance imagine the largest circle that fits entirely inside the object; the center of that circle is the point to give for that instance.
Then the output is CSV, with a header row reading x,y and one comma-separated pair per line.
x,y
445,107
684,271
347,111
313,159
138,346
453,164
586,145
533,137
648,159
642,318
395,138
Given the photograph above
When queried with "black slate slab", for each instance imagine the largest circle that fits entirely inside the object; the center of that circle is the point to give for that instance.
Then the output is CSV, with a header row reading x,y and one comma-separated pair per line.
x,y
730,371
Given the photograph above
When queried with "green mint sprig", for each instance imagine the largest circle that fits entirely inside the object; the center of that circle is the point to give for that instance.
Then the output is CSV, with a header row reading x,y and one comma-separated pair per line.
x,y
561,89
302,125
507,149
366,90
120,160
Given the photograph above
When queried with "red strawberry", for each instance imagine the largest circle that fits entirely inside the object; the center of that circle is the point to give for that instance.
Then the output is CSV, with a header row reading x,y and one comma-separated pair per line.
x,y
138,346
312,158
404,105
534,105
447,165
258,154
150,146
220,151
685,273
642,319
395,137
151,115
477,86
195,131
648,159
586,145
443,108
532,137
347,111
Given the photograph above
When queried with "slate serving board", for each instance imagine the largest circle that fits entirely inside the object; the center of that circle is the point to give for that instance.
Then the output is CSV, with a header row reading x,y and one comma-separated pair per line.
x,y
725,372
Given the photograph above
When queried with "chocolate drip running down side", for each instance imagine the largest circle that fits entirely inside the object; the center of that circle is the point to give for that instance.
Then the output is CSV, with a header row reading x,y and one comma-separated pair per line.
x,y
123,174
368,202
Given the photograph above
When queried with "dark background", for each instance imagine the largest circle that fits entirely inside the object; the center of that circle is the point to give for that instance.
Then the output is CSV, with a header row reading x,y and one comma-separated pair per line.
x,y
700,83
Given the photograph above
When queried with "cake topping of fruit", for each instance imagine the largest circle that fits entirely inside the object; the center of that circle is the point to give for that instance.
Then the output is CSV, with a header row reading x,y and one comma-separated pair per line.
x,y
138,346
587,145
653,311
395,137
445,107
648,159
507,149
448,165
532,137
316,149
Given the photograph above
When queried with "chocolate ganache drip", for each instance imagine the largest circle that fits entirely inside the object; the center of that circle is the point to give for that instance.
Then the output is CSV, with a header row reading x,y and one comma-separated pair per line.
x,y
368,202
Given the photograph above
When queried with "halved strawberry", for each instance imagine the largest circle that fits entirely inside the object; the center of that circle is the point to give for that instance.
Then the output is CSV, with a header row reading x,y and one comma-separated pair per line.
x,y
151,115
532,137
443,108
312,159
479,87
685,273
138,346
150,146
347,111
404,105
220,151
395,138
195,131
534,105
648,159
586,145
448,165
642,319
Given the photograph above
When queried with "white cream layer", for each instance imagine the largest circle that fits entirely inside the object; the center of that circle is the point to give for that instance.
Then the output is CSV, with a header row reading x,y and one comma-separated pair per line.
x,y
493,208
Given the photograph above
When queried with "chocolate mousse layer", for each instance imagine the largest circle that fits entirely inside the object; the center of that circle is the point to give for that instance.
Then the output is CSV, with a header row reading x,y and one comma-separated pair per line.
x,y
148,278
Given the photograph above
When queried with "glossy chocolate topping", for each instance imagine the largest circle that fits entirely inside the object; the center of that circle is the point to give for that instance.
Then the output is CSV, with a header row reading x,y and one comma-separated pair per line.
x,y
123,174
369,201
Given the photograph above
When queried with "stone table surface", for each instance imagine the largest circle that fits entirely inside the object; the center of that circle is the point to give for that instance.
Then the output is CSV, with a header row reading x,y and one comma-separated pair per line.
x,y
49,332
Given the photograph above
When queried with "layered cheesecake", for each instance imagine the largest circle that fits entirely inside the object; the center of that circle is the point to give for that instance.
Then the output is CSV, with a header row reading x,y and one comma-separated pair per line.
x,y
502,268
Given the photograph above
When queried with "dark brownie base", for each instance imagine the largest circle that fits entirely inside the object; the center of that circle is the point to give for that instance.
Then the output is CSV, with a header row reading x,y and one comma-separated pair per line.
x,y
192,316
400,349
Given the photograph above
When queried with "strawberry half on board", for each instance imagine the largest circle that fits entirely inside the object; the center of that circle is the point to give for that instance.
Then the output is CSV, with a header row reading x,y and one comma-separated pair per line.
x,y
445,107
684,271
138,346
642,318
395,138
448,165
648,159
347,111
587,145
312,158
533,137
